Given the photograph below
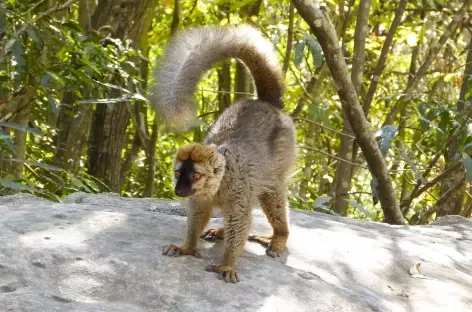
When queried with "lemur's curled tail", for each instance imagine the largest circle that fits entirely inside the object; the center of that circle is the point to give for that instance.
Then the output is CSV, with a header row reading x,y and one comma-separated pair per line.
x,y
192,52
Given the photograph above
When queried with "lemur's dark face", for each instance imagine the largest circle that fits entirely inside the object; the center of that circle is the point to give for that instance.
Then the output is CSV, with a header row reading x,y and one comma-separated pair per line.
x,y
198,170
186,176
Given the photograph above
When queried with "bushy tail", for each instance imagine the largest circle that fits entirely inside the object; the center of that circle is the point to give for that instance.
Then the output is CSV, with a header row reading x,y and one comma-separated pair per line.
x,y
192,52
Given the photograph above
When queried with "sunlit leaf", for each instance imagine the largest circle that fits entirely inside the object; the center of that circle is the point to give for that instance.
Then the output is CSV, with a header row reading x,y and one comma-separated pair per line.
x,y
411,39
449,77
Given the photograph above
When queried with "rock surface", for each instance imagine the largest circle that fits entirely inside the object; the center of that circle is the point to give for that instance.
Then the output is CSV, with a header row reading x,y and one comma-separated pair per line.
x,y
103,253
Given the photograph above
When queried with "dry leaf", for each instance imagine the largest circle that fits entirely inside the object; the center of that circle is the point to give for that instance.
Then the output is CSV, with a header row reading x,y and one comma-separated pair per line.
x,y
415,272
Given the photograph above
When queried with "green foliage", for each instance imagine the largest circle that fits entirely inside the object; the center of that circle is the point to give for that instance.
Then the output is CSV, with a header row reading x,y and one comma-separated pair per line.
x,y
62,71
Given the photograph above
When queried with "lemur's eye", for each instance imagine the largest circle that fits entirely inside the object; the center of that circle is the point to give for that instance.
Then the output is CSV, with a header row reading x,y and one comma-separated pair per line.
x,y
177,174
196,176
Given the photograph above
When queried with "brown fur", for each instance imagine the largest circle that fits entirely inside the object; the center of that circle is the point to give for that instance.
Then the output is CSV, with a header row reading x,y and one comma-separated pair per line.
x,y
246,159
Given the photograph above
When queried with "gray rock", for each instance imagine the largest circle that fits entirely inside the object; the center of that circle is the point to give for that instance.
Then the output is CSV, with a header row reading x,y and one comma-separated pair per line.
x,y
103,253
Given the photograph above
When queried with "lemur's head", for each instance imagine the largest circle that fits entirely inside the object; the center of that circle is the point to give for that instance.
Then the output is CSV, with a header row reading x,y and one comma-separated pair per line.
x,y
198,170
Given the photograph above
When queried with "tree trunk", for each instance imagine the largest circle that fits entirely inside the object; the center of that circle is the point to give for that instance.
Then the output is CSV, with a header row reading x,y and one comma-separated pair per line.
x,y
242,82
224,86
4,164
344,170
73,121
152,142
324,31
22,118
454,204
242,77
109,122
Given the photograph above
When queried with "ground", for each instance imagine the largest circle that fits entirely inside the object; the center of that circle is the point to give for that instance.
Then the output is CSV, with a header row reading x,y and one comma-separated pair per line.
x,y
103,253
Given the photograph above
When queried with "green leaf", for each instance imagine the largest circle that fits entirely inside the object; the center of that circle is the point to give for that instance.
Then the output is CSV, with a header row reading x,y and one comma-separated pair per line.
x,y
316,50
8,141
56,77
52,102
91,65
32,33
85,79
468,167
321,201
9,44
21,128
414,219
73,25
432,4
386,133
360,208
449,77
45,80
299,47
468,148
43,165
107,101
424,122
18,53
17,185
404,155
319,114
422,108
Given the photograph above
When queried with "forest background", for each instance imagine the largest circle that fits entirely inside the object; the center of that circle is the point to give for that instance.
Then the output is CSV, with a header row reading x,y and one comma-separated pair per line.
x,y
74,114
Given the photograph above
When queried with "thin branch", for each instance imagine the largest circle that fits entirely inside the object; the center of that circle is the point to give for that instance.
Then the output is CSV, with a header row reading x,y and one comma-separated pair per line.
x,y
414,194
312,84
194,5
430,57
325,127
442,176
324,31
426,215
225,92
175,18
383,56
288,52
333,156
299,81
40,16
360,35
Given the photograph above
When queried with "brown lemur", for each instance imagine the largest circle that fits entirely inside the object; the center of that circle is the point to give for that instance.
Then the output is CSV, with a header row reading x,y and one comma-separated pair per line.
x,y
248,155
